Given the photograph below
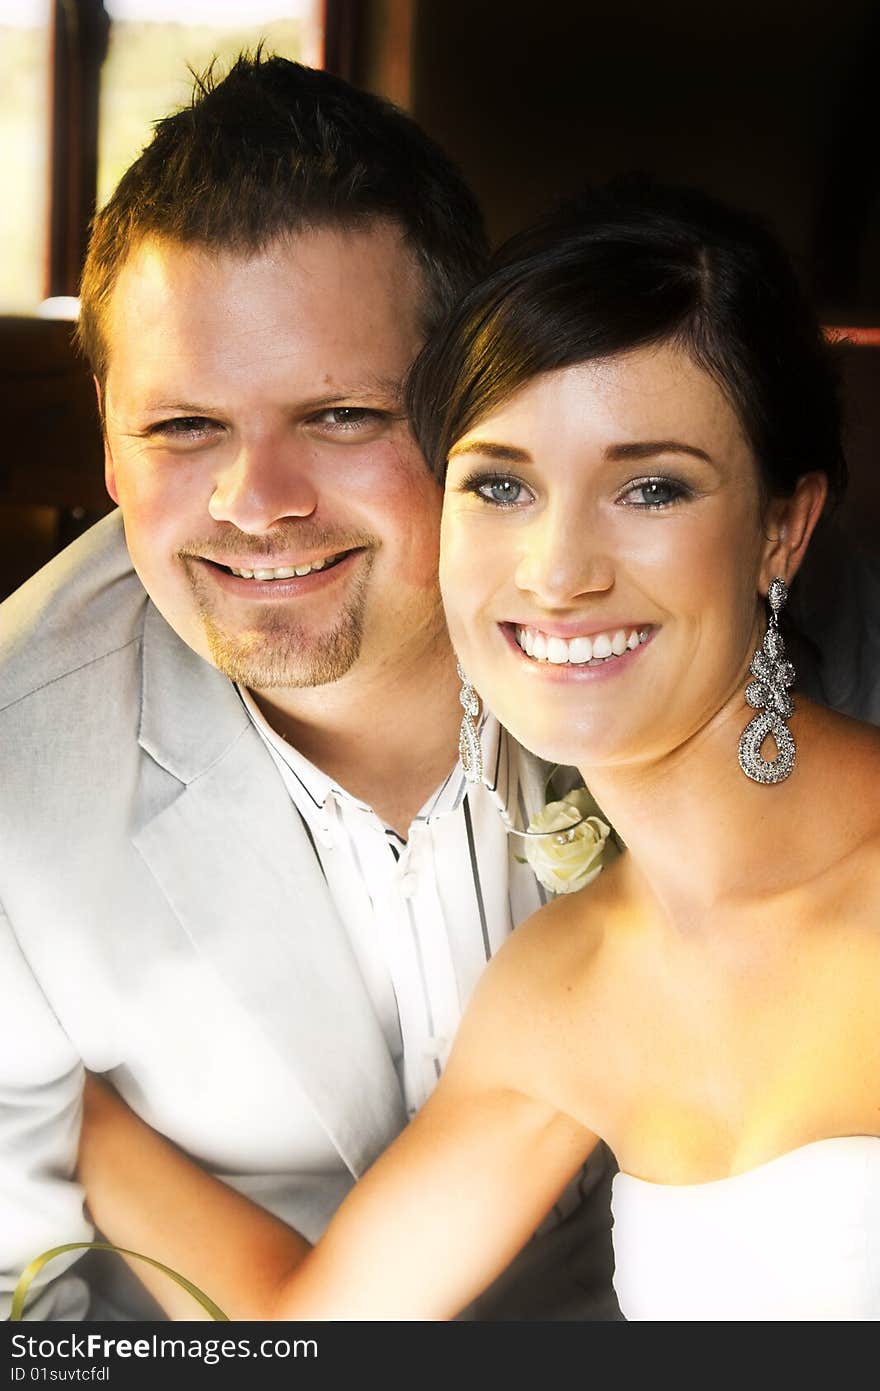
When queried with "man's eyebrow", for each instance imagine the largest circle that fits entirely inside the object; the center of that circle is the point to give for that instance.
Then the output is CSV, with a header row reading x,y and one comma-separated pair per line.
x,y
389,389
362,400
646,449
165,405
504,453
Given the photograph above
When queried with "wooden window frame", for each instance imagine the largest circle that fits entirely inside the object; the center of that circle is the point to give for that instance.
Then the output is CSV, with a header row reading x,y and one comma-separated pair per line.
x,y
80,34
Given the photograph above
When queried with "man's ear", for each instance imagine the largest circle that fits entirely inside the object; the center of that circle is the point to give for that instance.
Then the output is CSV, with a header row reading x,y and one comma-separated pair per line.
x,y
788,525
109,466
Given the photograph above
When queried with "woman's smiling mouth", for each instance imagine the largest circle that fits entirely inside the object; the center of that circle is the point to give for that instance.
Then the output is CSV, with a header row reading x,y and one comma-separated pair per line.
x,y
593,650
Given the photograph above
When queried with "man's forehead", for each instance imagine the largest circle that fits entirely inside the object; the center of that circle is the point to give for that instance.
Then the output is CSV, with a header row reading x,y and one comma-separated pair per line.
x,y
370,254
342,305
366,388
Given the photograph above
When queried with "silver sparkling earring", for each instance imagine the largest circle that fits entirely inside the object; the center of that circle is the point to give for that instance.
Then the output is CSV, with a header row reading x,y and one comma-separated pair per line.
x,y
469,749
768,691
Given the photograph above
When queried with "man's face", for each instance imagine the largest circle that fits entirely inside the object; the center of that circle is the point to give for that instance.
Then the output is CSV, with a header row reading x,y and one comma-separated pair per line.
x,y
275,505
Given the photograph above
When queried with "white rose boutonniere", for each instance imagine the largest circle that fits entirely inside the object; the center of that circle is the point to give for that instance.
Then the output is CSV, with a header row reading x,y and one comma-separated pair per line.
x,y
578,851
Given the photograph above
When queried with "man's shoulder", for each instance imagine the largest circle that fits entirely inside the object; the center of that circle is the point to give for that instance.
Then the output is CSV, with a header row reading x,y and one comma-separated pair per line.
x,y
84,605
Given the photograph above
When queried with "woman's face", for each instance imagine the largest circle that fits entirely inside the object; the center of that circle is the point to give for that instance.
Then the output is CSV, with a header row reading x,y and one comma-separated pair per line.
x,y
602,546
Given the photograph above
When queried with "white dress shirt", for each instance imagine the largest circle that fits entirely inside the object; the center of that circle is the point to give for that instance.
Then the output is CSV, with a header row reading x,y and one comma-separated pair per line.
x,y
423,914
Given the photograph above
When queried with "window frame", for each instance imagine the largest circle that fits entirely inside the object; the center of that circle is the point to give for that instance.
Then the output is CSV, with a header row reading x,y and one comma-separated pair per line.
x,y
79,39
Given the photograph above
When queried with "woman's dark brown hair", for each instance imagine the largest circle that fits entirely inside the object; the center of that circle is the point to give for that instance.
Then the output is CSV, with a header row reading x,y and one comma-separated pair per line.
x,y
622,267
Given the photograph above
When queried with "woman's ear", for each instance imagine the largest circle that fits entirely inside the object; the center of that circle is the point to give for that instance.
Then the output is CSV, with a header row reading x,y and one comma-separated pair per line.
x,y
788,525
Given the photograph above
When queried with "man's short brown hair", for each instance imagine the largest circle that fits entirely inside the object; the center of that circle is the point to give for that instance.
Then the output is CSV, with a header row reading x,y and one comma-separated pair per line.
x,y
271,149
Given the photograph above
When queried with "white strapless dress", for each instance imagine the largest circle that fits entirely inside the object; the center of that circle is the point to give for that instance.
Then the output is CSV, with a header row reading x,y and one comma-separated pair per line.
x,y
796,1238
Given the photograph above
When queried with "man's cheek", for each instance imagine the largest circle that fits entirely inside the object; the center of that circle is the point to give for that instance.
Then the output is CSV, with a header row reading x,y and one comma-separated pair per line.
x,y
420,545
159,500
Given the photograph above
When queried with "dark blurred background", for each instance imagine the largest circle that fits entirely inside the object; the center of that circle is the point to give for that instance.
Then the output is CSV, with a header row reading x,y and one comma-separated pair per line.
x,y
770,104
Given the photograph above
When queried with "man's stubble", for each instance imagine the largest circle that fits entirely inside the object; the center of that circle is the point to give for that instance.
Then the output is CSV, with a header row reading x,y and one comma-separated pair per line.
x,y
278,651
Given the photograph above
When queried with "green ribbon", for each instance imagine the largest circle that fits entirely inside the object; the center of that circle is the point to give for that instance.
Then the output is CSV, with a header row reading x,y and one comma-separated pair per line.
x,y
24,1284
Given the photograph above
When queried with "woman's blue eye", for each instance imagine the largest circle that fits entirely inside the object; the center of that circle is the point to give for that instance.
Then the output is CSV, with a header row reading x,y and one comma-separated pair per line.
x,y
655,492
503,491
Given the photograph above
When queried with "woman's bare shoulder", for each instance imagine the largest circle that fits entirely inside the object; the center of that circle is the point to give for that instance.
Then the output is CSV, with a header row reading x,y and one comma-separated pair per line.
x,y
515,1010
566,933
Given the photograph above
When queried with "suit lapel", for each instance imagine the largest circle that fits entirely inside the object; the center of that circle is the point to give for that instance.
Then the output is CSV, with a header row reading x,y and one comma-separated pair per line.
x,y
231,857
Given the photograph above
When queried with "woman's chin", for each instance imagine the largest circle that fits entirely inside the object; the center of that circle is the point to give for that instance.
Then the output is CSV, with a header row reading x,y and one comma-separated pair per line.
x,y
570,749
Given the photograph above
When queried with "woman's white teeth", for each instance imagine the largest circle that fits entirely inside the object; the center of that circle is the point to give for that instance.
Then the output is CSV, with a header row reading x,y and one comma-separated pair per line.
x,y
284,572
557,651
578,651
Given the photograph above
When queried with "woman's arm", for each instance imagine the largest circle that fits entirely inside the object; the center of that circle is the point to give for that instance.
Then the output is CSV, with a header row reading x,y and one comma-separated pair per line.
x,y
438,1216
144,1194
442,1212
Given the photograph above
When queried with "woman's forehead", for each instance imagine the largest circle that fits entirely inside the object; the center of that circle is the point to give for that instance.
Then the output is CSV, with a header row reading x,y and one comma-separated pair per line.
x,y
657,391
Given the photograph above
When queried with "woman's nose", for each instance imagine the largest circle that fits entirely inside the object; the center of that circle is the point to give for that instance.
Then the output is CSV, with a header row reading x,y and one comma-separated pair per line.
x,y
564,558
265,482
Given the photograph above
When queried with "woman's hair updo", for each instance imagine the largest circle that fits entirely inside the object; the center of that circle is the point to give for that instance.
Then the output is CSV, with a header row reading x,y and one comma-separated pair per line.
x,y
623,267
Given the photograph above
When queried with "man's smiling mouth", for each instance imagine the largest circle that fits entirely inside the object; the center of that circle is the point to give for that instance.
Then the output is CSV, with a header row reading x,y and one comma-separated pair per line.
x,y
266,572
286,572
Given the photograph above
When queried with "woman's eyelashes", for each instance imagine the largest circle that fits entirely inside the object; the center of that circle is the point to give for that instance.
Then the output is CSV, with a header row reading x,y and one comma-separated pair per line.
x,y
655,492
506,490
499,489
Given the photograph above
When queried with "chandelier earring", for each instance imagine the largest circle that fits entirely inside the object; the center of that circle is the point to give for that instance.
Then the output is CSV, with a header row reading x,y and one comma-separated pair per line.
x,y
469,748
768,692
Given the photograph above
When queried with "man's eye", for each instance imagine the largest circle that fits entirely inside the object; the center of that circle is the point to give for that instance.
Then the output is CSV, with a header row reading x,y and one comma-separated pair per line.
x,y
349,417
500,489
655,492
183,427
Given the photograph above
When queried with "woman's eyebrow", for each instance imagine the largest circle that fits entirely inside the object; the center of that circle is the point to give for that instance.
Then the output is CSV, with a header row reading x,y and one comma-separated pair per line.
x,y
645,449
505,453
637,449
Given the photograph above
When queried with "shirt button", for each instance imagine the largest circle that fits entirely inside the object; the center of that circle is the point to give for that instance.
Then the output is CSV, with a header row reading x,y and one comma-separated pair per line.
x,y
408,884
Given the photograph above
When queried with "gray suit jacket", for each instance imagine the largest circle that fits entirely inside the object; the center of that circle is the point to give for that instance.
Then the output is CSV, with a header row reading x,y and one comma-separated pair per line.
x,y
163,919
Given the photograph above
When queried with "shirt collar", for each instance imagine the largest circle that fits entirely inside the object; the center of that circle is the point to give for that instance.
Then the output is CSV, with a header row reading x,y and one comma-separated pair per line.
x,y
508,773
312,789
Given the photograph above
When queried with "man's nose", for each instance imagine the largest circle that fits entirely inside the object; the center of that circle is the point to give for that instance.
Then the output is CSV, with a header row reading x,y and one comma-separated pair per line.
x,y
565,556
266,481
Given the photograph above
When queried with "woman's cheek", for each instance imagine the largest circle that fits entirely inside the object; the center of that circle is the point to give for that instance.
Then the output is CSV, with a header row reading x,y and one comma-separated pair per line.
x,y
458,584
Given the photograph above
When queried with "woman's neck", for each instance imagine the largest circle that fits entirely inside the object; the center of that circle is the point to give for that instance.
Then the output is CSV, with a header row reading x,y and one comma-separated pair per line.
x,y
699,832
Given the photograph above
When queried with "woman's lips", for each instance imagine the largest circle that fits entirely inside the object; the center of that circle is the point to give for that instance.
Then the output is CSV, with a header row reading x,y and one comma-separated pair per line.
x,y
604,651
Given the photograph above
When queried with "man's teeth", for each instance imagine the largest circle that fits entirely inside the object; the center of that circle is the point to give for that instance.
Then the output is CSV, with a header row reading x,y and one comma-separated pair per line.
x,y
285,572
579,651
